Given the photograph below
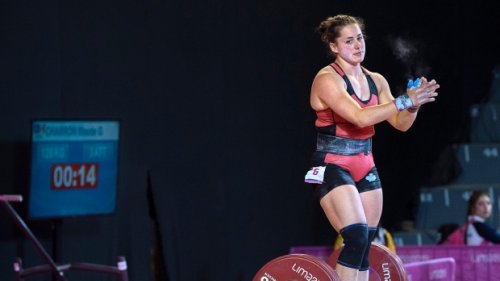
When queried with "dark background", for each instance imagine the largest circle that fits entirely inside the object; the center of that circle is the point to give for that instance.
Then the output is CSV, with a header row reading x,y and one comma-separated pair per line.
x,y
213,103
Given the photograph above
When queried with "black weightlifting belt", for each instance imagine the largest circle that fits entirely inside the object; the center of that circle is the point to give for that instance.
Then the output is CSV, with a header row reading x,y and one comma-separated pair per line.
x,y
342,146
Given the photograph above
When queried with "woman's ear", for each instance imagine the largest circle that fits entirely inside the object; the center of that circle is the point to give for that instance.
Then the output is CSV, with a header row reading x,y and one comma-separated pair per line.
x,y
333,47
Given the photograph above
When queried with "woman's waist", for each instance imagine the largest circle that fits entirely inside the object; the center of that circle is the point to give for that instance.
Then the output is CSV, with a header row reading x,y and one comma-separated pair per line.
x,y
347,130
341,145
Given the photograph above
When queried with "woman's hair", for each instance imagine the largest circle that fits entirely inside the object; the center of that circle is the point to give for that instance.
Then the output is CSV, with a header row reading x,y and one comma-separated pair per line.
x,y
330,27
473,200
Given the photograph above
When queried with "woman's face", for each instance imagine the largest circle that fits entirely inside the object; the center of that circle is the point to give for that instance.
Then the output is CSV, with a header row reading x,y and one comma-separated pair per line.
x,y
350,46
482,207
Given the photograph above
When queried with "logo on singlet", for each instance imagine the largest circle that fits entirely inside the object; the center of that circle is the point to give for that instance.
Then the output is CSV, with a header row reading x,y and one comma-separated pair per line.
x,y
371,177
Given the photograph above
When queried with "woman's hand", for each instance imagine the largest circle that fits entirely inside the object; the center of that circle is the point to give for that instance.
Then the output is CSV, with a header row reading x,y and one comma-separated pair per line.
x,y
422,91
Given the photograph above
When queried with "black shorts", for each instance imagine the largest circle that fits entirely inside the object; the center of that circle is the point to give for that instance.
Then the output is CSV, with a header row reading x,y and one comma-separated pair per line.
x,y
336,176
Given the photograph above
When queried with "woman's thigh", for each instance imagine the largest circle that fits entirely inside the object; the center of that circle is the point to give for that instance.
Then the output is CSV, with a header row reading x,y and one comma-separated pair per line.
x,y
343,206
372,205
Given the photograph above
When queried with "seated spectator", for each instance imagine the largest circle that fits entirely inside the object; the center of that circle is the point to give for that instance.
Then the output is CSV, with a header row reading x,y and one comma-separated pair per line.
x,y
479,232
476,231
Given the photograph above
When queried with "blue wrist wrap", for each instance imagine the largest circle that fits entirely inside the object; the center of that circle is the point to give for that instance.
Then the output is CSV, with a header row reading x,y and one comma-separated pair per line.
x,y
413,84
403,102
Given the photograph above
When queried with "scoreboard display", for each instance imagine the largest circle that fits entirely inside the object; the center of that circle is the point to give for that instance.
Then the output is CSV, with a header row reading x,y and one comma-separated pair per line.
x,y
74,168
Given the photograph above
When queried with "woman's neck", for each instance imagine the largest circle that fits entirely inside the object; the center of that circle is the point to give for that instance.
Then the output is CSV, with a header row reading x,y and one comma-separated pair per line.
x,y
350,69
476,218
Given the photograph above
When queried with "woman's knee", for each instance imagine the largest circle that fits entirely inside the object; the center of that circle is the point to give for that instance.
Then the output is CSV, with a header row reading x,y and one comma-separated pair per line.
x,y
355,242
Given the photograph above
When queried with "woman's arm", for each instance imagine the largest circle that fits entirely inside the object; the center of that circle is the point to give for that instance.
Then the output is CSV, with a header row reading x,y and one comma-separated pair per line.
x,y
487,232
328,90
422,94
401,120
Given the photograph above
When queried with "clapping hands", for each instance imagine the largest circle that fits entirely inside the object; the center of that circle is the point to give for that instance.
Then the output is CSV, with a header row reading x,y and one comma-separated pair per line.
x,y
422,91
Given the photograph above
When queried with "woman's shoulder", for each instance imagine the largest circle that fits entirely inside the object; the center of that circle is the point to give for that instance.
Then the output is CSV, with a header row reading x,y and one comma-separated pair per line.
x,y
373,74
328,69
378,78
327,75
481,224
483,228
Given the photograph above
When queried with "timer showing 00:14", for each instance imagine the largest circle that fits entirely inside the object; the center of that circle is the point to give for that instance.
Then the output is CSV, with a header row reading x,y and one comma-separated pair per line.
x,y
74,176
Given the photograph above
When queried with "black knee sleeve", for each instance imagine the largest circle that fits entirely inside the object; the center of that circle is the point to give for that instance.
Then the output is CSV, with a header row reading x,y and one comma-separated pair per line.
x,y
355,241
365,263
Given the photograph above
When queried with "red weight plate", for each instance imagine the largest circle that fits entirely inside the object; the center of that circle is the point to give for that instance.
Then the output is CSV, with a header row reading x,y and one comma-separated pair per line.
x,y
296,267
386,263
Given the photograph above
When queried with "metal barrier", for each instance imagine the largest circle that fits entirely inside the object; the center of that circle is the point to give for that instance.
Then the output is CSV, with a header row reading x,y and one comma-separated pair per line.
x,y
120,270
